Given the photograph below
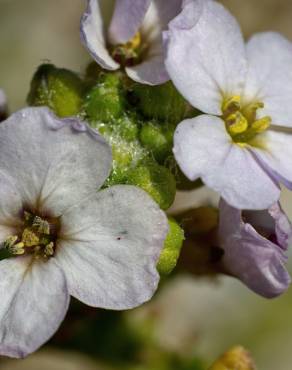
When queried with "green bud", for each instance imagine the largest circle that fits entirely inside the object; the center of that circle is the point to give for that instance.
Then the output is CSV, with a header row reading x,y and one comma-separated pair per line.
x,y
172,247
158,139
237,358
105,101
162,102
156,180
59,89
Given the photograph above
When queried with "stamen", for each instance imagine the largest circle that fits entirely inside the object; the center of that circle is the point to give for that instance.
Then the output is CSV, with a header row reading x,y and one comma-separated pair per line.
x,y
262,124
129,53
231,105
17,249
42,226
236,123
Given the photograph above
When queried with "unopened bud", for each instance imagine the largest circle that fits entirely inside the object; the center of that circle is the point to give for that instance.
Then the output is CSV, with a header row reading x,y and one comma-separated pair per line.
x,y
237,358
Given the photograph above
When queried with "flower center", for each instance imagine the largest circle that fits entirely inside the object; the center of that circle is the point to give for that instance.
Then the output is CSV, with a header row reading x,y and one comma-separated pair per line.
x,y
37,237
130,53
241,121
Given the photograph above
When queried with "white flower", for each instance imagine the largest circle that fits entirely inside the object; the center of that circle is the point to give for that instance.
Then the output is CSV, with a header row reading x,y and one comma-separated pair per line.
x,y
133,37
240,147
67,238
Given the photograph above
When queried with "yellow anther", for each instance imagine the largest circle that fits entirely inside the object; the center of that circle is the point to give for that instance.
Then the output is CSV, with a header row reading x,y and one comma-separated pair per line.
x,y
236,123
134,42
29,238
250,111
49,249
41,225
17,249
237,358
231,105
10,241
261,124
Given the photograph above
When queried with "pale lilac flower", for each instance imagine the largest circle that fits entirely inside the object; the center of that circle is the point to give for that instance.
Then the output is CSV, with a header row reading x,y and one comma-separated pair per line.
x,y
254,244
66,238
240,147
132,38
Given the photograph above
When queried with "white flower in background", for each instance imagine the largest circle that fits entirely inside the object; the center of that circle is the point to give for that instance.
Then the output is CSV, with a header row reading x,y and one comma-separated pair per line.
x,y
255,245
242,146
133,37
65,237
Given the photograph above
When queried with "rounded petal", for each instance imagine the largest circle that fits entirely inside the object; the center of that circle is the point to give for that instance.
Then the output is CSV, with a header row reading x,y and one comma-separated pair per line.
x,y
256,261
110,246
283,226
54,163
203,148
126,20
276,156
92,35
151,71
205,55
10,207
269,77
34,301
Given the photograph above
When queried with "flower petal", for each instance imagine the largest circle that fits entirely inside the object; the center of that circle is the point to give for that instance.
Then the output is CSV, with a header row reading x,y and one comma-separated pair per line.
x,y
152,69
54,163
205,55
110,247
276,156
92,35
269,77
126,20
203,148
256,261
283,226
34,301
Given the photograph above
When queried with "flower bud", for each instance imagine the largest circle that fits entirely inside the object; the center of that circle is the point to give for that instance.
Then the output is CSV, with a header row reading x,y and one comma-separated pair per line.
x,y
172,247
59,89
236,358
158,139
105,101
162,102
156,180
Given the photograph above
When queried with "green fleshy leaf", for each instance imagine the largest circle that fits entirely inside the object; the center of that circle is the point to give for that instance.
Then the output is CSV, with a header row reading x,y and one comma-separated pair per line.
x,y
172,246
156,180
58,88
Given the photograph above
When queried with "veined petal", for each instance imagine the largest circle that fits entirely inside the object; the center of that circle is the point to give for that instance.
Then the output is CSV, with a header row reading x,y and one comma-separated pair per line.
x,y
205,55
283,226
93,37
34,301
54,163
203,148
152,70
256,261
10,207
276,156
269,77
126,20
110,247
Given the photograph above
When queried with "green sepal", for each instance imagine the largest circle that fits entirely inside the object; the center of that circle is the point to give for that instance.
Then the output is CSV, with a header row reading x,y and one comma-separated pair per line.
x,y
57,88
156,180
172,246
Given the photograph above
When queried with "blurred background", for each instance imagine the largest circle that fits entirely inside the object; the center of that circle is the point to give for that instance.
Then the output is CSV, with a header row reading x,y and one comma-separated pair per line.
x,y
190,321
